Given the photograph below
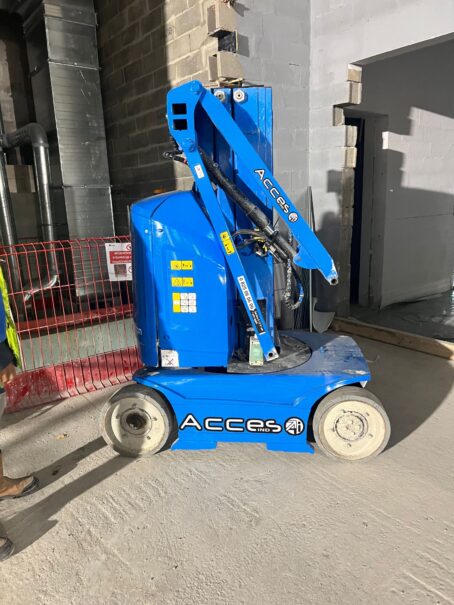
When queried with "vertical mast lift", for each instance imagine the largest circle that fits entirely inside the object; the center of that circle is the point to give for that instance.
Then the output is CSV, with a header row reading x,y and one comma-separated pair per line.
x,y
215,367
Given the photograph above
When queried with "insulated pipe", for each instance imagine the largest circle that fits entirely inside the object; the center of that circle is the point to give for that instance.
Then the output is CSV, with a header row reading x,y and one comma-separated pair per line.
x,y
34,134
31,134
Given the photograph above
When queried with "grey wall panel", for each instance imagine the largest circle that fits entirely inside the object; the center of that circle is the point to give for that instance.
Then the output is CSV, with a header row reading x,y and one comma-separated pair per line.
x,y
62,47
89,211
71,43
79,11
80,125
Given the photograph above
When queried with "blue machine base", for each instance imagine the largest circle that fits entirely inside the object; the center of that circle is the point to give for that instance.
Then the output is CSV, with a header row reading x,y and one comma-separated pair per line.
x,y
270,408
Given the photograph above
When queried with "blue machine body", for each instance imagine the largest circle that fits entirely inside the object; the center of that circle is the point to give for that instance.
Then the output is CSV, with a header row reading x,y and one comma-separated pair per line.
x,y
183,300
190,280
273,408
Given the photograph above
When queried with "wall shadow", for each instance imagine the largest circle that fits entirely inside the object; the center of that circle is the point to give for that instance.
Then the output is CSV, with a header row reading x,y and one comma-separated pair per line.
x,y
411,385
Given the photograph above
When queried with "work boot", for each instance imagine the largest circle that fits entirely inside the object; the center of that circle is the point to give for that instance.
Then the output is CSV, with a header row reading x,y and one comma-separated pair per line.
x,y
6,548
15,488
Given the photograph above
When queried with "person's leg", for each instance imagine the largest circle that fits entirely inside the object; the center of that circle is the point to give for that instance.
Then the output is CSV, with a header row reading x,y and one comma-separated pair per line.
x,y
2,403
13,488
6,546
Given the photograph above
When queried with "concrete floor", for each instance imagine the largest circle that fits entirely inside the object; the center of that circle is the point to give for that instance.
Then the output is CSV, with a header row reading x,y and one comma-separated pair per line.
x,y
239,524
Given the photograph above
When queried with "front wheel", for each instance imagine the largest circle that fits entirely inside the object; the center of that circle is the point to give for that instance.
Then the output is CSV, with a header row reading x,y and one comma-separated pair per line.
x,y
351,424
137,421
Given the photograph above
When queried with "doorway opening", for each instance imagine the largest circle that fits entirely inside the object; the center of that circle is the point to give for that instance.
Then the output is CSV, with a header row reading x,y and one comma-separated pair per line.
x,y
355,252
402,249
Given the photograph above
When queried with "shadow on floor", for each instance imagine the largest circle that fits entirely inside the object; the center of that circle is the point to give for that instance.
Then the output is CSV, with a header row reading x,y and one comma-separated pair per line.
x,y
64,465
411,385
36,423
30,524
12,418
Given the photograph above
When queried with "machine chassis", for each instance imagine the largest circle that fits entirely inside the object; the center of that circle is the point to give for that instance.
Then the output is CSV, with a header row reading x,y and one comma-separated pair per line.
x,y
279,403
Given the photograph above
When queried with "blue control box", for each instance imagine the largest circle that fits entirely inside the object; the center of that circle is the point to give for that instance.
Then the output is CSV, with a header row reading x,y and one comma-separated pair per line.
x,y
184,299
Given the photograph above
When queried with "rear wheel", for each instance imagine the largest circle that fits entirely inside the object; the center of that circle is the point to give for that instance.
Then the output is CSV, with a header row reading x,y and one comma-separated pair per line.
x,y
137,421
351,424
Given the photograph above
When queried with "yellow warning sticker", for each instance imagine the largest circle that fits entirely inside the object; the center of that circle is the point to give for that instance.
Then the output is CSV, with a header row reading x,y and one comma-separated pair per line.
x,y
181,265
182,282
227,241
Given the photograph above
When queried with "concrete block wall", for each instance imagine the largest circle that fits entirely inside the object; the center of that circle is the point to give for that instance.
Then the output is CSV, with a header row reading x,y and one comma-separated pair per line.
x,y
6,97
146,47
274,51
345,33
15,92
16,110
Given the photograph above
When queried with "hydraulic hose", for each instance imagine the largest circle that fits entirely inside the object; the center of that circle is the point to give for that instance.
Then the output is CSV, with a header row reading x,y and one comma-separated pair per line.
x,y
250,209
282,248
290,272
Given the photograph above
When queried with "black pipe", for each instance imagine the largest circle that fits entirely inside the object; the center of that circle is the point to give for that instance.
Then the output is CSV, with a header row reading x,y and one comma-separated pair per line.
x,y
251,210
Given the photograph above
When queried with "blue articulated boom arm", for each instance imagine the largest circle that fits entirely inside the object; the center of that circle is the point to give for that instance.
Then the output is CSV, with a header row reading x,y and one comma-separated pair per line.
x,y
182,103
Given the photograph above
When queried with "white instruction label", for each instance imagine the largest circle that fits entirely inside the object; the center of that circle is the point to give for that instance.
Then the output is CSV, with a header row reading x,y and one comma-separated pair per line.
x,y
199,171
169,358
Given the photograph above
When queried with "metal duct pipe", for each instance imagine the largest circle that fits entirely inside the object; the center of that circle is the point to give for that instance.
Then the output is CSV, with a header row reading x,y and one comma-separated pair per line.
x,y
7,224
34,134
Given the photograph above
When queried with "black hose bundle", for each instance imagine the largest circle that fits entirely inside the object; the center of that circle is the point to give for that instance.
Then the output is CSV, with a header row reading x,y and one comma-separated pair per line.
x,y
283,248
250,209
280,247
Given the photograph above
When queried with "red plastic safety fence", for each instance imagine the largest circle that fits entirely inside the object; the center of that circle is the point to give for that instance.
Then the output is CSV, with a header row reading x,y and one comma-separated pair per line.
x,y
72,304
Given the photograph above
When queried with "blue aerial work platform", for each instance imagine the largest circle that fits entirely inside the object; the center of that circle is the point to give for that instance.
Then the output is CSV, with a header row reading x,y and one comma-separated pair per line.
x,y
215,366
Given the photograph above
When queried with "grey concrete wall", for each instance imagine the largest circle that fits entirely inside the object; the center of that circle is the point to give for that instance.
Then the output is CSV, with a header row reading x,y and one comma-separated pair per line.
x,y
342,33
412,235
274,51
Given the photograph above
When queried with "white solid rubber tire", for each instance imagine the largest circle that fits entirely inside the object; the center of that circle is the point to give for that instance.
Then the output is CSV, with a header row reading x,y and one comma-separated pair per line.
x,y
150,428
350,424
